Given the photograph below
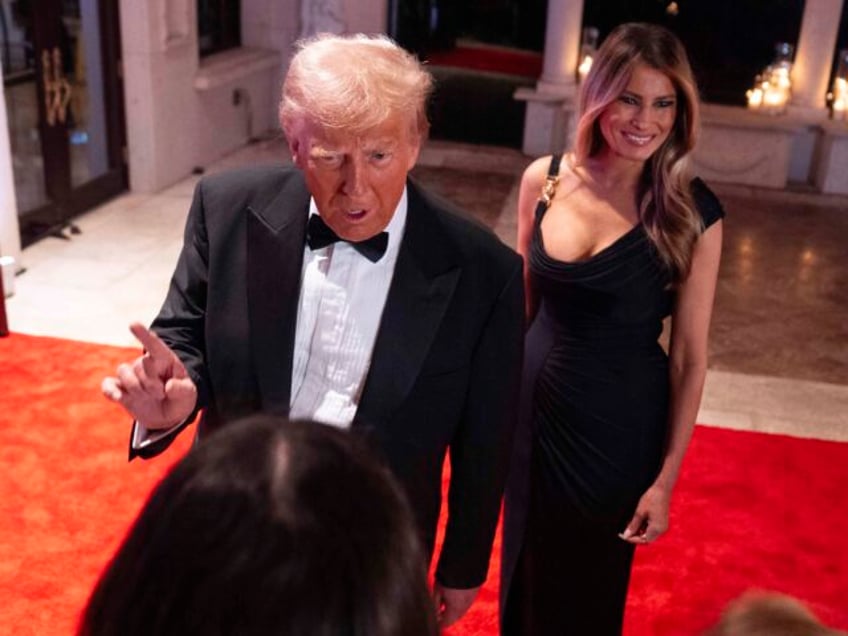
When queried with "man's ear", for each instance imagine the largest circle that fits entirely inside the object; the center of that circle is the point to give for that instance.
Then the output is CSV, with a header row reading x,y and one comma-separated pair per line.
x,y
415,149
295,148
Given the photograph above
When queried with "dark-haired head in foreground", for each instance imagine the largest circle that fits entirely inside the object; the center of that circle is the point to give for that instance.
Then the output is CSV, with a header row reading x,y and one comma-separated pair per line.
x,y
269,527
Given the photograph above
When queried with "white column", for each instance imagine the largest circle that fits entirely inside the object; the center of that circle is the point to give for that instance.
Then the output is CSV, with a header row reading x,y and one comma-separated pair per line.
x,y
322,16
10,237
549,117
562,44
814,54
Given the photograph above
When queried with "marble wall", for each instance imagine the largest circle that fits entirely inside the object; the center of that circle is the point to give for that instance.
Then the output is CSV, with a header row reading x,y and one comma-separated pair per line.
x,y
178,114
10,240
740,146
183,111
831,173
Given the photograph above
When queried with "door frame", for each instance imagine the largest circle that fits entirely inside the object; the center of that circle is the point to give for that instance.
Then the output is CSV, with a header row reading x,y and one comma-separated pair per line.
x,y
66,202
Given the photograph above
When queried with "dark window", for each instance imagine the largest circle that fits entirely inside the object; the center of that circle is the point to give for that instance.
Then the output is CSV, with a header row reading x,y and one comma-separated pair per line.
x,y
729,41
841,41
218,25
426,26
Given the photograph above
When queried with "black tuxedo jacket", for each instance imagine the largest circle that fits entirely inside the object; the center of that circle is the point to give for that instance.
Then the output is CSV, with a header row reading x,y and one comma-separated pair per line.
x,y
445,368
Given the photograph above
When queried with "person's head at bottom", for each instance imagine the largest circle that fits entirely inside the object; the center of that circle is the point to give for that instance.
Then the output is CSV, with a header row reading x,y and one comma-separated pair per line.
x,y
269,527
759,613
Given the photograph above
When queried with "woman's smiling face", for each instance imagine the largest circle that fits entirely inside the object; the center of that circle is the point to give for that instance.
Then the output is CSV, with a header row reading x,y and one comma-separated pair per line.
x,y
639,121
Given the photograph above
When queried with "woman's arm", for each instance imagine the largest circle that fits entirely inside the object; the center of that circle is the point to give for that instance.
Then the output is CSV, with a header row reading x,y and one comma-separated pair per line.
x,y
528,196
690,324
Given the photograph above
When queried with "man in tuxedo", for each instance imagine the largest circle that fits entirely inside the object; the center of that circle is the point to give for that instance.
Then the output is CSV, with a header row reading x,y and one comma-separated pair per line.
x,y
342,292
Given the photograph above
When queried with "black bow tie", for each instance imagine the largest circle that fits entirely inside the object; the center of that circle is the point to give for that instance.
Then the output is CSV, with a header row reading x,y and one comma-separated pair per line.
x,y
319,235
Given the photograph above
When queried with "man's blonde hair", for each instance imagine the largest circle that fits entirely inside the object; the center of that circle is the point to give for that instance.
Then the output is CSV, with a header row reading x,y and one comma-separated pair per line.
x,y
353,83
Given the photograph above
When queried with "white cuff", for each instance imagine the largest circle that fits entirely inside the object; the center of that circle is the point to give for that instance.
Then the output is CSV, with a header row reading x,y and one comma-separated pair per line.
x,y
142,437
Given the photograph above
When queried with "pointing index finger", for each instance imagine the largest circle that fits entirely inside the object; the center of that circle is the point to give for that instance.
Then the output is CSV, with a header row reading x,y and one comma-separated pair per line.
x,y
151,342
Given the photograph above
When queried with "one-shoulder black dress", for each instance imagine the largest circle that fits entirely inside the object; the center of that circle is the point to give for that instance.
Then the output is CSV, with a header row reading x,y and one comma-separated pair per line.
x,y
594,420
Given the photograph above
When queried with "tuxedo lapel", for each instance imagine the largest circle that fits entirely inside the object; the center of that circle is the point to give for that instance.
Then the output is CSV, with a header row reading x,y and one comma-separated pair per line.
x,y
275,239
423,284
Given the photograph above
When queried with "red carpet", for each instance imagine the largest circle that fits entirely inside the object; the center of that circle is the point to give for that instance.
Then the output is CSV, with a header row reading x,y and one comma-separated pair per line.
x,y
67,492
493,59
751,510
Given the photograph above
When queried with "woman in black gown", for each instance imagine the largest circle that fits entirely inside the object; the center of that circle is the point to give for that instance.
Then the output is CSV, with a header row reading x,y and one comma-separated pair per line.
x,y
616,236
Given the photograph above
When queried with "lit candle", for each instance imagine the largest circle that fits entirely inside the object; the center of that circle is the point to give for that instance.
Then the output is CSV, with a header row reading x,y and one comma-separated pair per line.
x,y
585,65
772,88
839,95
588,47
840,98
774,97
783,78
755,97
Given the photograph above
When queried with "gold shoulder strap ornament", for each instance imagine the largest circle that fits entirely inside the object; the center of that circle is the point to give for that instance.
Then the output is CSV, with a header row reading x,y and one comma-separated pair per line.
x,y
549,189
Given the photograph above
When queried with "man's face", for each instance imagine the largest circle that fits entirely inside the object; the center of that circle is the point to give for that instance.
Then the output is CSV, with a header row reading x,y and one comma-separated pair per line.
x,y
356,180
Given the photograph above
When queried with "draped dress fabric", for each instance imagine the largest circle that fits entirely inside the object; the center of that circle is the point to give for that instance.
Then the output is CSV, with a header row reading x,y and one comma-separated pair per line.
x,y
594,414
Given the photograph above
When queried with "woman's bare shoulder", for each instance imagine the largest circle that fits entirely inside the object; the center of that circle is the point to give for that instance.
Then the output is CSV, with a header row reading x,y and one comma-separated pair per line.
x,y
537,171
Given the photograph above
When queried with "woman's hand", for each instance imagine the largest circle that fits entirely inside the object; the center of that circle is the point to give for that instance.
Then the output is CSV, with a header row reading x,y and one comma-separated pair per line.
x,y
651,517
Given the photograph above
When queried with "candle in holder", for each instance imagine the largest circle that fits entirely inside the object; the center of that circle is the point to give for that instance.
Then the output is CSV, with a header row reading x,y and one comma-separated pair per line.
x,y
840,98
755,97
839,103
773,88
588,47
775,97
585,65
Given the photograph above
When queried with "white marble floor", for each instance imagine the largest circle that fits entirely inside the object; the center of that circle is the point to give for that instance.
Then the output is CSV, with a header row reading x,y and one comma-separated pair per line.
x,y
117,269
90,287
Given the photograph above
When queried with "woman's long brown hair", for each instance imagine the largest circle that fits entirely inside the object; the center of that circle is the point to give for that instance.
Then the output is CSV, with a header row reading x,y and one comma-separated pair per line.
x,y
666,207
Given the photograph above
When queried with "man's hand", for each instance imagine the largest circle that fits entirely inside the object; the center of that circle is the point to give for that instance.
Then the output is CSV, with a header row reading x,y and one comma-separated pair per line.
x,y
155,388
452,603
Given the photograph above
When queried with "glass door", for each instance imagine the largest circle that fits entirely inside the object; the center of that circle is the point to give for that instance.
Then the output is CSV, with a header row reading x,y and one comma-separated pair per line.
x,y
65,111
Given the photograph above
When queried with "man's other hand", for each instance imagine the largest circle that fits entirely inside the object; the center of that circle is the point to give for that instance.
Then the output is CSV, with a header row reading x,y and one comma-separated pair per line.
x,y
452,603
